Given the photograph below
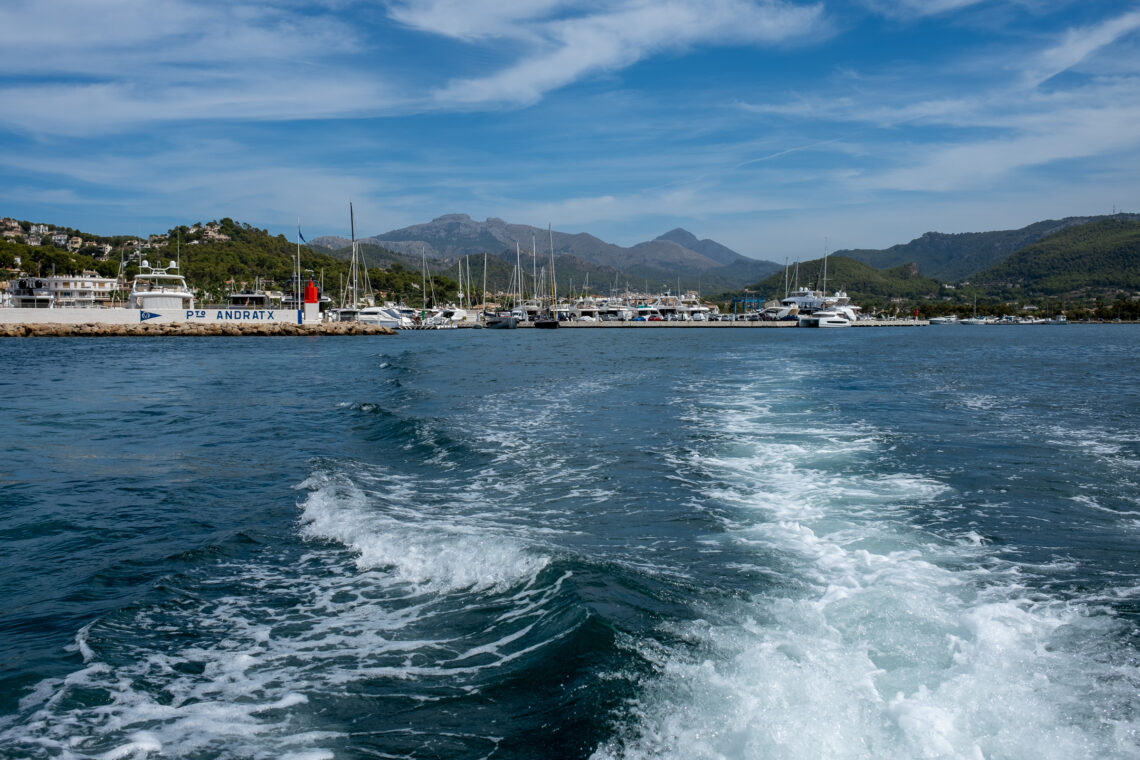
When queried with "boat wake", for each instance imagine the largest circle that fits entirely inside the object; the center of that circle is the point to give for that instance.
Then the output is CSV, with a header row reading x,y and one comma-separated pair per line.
x,y
884,639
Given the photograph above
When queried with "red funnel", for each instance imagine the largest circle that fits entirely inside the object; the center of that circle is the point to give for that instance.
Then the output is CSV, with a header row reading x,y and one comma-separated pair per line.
x,y
310,292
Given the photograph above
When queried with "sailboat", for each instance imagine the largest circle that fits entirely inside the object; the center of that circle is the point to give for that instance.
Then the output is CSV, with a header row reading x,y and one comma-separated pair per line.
x,y
352,298
502,319
974,320
549,320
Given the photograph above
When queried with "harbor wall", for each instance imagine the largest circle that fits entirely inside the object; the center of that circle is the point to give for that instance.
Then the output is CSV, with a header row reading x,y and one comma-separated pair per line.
x,y
211,316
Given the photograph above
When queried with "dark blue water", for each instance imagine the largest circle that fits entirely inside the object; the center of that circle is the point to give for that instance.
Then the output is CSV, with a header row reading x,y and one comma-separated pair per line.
x,y
895,543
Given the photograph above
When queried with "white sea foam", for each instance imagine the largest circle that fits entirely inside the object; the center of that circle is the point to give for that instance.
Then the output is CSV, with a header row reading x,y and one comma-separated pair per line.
x,y
388,529
885,642
234,676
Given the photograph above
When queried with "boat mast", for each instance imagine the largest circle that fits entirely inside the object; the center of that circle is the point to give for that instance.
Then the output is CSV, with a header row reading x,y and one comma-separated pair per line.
x,y
352,265
824,291
553,283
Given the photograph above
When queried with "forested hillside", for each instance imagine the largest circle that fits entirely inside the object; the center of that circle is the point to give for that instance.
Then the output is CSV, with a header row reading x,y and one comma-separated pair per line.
x,y
955,257
1089,260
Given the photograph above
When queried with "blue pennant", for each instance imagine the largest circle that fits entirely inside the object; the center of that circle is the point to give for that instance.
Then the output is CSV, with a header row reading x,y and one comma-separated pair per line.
x,y
145,315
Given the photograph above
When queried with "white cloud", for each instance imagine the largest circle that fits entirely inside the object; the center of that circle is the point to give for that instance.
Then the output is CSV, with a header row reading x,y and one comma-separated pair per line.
x,y
913,8
92,66
476,19
564,50
1075,134
1080,44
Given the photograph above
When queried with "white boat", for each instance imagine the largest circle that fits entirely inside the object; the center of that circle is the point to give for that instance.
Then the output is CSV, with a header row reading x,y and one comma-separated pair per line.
x,y
160,289
249,299
802,301
388,315
835,316
949,320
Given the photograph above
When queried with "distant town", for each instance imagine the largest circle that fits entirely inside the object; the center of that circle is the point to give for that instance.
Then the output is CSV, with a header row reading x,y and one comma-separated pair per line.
x,y
100,248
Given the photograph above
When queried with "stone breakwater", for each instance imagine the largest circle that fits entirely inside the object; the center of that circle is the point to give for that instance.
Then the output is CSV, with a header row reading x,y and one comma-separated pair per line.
x,y
189,329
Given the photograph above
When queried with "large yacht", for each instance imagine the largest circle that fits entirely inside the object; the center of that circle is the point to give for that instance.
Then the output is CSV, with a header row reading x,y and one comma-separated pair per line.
x,y
160,288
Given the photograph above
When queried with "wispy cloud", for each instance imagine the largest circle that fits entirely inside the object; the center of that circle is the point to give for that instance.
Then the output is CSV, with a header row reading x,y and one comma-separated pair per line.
x,y
917,8
1078,45
112,65
562,50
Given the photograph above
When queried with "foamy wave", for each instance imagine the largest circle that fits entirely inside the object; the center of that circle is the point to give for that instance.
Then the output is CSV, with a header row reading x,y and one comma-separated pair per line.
x,y
441,553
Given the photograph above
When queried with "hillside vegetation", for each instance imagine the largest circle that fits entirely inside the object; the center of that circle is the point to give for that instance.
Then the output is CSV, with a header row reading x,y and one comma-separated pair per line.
x,y
956,257
1089,260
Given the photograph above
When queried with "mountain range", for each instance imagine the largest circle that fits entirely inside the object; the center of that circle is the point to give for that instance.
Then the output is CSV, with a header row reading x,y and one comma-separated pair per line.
x,y
676,258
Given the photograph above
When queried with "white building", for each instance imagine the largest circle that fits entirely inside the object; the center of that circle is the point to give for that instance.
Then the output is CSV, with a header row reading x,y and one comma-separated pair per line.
x,y
75,291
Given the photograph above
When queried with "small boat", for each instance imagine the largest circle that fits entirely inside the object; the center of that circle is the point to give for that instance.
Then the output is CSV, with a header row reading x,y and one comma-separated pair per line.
x,y
249,299
503,320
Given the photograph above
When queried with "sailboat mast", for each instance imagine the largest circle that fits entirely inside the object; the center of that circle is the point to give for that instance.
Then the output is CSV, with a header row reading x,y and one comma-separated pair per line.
x,y
352,264
553,283
825,267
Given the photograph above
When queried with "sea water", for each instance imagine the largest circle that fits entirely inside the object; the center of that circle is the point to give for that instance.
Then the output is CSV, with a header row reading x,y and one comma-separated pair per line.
x,y
888,543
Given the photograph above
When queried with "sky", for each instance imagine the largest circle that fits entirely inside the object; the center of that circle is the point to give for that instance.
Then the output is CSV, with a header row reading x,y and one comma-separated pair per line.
x,y
779,128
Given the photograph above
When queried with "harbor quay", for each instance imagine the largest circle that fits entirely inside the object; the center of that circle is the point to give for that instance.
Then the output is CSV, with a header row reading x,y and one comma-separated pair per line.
x,y
719,325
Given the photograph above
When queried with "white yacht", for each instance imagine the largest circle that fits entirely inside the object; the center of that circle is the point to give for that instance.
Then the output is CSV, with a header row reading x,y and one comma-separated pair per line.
x,y
804,300
159,288
388,315
832,316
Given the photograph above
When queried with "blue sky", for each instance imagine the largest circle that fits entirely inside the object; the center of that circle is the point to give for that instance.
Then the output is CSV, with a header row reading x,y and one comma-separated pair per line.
x,y
776,127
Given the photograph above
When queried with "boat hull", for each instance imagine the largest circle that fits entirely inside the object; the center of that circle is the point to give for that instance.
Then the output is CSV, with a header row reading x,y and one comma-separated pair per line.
x,y
502,323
